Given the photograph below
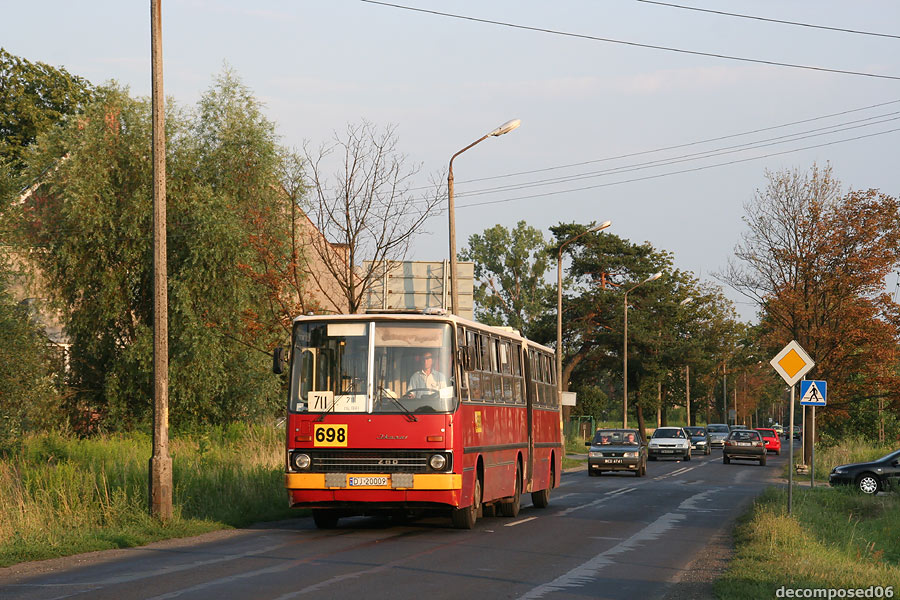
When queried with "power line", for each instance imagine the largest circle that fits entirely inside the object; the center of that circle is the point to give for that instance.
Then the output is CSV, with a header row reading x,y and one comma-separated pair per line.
x,y
799,24
690,157
684,145
635,44
703,168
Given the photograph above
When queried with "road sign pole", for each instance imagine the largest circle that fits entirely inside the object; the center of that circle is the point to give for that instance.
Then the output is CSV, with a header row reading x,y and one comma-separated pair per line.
x,y
812,459
803,435
791,456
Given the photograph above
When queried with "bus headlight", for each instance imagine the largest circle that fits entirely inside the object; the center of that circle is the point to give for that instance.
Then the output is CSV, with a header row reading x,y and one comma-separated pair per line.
x,y
300,461
437,462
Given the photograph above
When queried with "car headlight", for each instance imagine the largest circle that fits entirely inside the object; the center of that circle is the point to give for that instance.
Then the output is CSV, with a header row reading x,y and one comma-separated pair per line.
x,y
300,461
595,454
630,455
437,462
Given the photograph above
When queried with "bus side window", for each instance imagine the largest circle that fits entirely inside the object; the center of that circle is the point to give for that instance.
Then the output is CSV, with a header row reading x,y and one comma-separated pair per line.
x,y
495,369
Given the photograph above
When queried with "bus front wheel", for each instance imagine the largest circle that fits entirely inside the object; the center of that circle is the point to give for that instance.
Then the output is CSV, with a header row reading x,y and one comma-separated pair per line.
x,y
325,518
464,518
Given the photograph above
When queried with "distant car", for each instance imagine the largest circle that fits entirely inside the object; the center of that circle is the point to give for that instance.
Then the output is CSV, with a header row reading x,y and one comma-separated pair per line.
x,y
745,444
869,477
617,450
796,432
699,439
779,429
717,434
670,441
771,439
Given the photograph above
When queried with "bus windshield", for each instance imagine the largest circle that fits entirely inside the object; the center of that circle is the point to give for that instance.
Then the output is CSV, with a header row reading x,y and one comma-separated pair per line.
x,y
372,366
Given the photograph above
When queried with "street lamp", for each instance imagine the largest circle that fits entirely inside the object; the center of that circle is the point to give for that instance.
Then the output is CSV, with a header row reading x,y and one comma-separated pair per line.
x,y
599,227
687,378
454,289
625,351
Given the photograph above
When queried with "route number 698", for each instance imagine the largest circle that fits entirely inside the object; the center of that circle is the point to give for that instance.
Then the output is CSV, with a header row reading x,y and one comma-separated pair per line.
x,y
330,435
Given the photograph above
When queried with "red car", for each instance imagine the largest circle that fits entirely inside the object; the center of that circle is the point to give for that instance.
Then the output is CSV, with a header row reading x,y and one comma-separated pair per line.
x,y
770,437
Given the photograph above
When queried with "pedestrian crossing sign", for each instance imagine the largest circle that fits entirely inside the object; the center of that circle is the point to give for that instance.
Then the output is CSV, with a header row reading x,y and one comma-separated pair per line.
x,y
813,393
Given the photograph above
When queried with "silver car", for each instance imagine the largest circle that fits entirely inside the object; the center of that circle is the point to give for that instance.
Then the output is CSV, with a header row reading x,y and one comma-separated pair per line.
x,y
717,434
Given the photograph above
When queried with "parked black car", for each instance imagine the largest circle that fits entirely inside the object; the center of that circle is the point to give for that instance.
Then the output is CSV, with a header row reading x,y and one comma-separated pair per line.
x,y
869,477
699,439
744,444
617,450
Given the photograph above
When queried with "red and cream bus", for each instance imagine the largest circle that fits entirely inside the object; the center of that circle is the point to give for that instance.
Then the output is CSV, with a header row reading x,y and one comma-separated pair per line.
x,y
418,412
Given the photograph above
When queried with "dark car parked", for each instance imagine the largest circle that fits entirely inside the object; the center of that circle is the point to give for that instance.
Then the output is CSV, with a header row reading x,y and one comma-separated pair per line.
x,y
744,444
617,450
869,477
699,439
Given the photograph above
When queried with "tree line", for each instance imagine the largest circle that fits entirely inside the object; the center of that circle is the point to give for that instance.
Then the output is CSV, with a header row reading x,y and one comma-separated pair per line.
x,y
75,198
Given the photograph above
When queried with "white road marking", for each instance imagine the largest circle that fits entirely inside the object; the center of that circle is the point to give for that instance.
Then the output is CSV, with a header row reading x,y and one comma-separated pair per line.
x,y
587,571
514,523
620,491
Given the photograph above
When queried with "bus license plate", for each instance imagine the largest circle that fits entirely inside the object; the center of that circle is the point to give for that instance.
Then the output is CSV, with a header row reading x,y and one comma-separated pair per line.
x,y
368,481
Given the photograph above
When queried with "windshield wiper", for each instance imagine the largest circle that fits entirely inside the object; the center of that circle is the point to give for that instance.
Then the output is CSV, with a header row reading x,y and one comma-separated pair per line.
x,y
331,408
392,396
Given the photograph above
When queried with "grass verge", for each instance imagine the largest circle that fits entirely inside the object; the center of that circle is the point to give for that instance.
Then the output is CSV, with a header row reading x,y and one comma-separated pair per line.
x,y
834,539
63,496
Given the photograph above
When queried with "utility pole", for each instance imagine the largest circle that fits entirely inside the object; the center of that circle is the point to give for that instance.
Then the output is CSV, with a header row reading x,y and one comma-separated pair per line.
x,y
160,462
687,392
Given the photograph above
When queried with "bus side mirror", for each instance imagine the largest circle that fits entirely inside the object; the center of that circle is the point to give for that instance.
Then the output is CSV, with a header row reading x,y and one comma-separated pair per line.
x,y
278,360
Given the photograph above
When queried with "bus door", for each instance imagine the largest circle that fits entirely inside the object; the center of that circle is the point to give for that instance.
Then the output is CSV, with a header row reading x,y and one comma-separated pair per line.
x,y
525,357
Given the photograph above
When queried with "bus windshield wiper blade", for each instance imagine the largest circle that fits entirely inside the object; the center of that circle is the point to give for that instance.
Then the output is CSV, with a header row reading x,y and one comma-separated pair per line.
x,y
392,396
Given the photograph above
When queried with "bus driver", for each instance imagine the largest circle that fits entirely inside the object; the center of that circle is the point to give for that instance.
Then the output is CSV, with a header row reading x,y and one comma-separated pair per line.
x,y
427,379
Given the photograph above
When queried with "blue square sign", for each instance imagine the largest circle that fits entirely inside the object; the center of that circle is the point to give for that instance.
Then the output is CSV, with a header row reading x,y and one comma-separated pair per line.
x,y
813,393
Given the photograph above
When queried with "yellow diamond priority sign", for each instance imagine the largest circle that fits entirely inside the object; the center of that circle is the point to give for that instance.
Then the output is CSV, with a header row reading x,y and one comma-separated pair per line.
x,y
792,363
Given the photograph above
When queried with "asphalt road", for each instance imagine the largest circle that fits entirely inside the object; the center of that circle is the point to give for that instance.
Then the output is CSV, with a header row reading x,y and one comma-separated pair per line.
x,y
614,536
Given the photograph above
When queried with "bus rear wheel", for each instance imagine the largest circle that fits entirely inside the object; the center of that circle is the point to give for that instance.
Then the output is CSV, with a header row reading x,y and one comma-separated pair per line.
x,y
464,518
541,499
511,509
325,518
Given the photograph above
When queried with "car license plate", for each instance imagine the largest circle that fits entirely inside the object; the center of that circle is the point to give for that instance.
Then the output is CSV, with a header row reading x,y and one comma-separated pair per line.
x,y
613,461
743,443
368,481
667,451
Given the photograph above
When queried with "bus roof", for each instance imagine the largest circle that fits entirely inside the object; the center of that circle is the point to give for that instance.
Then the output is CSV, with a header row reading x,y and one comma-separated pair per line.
x,y
431,315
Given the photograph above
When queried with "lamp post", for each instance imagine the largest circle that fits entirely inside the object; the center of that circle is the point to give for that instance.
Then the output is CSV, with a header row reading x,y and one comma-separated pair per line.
x,y
451,210
599,227
625,351
687,378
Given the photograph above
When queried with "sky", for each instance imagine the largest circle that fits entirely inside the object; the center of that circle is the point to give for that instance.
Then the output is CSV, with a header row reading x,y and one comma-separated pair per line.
x,y
612,129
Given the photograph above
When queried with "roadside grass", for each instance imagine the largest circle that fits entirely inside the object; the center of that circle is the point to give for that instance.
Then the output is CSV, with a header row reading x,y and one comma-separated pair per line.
x,y
835,539
61,495
847,450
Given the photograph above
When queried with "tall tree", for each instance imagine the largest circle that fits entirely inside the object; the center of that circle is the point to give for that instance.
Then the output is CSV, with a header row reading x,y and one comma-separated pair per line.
x,y
510,271
815,260
367,212
89,229
28,391
33,98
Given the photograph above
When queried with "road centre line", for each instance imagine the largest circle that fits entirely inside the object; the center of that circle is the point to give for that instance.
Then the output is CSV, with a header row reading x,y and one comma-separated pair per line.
x,y
513,524
620,491
586,572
